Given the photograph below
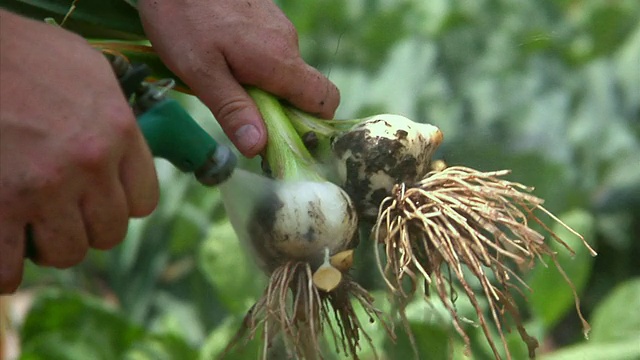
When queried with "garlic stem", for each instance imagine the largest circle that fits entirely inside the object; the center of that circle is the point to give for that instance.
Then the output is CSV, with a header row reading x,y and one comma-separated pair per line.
x,y
286,154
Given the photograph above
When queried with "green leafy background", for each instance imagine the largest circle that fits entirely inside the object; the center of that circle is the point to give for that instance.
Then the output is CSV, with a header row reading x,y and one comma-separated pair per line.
x,y
548,88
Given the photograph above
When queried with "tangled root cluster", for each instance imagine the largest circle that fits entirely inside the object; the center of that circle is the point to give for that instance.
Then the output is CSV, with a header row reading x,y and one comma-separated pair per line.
x,y
292,306
457,228
462,218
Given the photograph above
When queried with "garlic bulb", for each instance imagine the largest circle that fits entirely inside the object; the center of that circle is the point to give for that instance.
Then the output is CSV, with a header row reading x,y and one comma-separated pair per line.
x,y
298,220
379,152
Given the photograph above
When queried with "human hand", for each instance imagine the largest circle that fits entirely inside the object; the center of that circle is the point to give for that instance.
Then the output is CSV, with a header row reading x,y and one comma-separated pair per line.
x,y
73,164
215,47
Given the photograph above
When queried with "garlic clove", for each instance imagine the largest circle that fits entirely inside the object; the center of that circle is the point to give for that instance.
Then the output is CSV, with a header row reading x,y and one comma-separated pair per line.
x,y
327,278
342,260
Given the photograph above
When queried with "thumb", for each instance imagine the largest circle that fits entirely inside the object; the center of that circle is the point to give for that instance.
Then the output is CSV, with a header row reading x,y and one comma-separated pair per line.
x,y
234,109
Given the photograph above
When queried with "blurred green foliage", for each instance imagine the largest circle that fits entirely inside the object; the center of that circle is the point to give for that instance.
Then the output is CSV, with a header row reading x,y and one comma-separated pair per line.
x,y
549,89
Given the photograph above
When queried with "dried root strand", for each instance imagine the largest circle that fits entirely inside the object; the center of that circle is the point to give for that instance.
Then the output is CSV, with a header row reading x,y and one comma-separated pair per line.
x,y
460,218
293,307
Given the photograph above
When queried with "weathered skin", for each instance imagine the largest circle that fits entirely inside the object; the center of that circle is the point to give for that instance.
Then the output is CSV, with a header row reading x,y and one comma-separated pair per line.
x,y
297,221
382,151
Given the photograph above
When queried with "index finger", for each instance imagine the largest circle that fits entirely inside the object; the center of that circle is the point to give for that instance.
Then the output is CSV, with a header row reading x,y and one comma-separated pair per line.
x,y
295,81
308,89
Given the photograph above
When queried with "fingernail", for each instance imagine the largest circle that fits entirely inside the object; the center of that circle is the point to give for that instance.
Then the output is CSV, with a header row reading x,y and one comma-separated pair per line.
x,y
247,137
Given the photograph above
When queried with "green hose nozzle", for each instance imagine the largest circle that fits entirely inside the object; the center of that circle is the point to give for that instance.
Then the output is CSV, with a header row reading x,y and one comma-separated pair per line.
x,y
172,134
170,131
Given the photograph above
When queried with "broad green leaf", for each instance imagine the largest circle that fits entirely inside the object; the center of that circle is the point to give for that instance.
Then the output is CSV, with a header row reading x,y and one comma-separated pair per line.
x,y
622,350
220,338
551,297
65,345
619,198
628,73
374,328
347,33
609,25
161,347
178,318
485,151
193,219
617,318
620,191
432,342
67,325
137,265
110,19
237,280
435,336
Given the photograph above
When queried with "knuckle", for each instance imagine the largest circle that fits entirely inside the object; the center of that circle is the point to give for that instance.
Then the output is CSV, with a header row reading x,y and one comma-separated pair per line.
x,y
105,220
227,110
61,260
58,243
74,258
144,206
44,178
121,119
113,234
283,42
95,150
69,260
290,32
143,199
92,153
107,243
